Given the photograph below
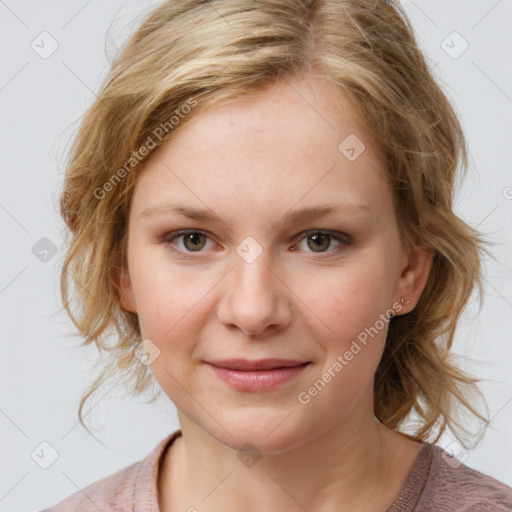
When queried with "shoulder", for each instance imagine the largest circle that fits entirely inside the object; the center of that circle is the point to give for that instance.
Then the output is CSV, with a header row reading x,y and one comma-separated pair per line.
x,y
128,488
454,486
104,494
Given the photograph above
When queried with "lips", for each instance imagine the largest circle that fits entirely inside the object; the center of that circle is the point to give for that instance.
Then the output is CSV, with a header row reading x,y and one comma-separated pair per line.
x,y
252,365
257,376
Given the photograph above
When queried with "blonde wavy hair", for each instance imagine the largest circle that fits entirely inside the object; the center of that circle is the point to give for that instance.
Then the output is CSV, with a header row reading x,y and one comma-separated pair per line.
x,y
214,51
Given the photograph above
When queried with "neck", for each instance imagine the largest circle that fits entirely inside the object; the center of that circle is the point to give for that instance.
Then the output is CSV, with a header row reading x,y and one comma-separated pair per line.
x,y
355,465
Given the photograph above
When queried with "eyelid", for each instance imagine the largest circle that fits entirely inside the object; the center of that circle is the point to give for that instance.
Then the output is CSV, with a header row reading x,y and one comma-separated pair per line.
x,y
338,235
343,238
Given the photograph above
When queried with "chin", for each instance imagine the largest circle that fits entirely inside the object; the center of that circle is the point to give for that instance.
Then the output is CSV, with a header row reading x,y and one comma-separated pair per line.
x,y
268,434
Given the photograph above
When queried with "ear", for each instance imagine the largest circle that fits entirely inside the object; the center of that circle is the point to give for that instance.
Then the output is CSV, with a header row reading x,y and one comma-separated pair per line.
x,y
124,285
414,271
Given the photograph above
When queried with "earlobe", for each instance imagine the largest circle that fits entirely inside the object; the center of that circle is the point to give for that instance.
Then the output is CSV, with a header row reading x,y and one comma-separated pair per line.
x,y
414,276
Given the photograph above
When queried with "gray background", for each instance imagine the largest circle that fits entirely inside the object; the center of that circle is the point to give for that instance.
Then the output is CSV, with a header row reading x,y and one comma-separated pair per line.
x,y
43,372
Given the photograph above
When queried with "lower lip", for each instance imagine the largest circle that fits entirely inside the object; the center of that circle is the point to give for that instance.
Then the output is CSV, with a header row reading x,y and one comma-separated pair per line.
x,y
260,380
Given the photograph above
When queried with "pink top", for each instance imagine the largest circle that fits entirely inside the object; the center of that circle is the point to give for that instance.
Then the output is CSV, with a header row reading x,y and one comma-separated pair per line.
x,y
434,483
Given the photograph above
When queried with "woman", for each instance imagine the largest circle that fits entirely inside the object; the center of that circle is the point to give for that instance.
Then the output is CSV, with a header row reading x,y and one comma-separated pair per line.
x,y
260,204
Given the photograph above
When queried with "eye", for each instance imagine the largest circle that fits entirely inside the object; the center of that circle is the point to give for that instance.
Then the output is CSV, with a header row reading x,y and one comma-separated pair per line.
x,y
194,241
320,241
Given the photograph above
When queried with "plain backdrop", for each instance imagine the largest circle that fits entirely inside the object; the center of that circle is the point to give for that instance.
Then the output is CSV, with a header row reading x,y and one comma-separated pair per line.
x,y
43,369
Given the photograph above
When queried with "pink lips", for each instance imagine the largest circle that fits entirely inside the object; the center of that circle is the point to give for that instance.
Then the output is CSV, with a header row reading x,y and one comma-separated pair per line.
x,y
256,375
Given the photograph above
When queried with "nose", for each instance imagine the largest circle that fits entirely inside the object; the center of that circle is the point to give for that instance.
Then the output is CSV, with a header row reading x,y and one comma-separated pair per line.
x,y
254,298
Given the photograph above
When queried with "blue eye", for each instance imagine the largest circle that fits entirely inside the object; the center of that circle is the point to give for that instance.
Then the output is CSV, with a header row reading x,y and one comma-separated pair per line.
x,y
195,240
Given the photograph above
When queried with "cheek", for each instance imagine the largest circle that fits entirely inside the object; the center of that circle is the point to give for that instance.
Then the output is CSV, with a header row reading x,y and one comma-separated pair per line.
x,y
346,299
348,326
173,308
347,303
167,295
171,315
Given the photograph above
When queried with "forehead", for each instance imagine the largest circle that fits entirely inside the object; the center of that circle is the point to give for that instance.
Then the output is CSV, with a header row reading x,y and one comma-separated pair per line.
x,y
272,150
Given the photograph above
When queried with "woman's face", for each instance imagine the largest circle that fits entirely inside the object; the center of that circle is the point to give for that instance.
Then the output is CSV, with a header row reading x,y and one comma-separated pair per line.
x,y
251,267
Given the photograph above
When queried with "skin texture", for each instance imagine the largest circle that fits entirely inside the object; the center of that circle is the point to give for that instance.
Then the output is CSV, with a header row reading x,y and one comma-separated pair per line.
x,y
251,162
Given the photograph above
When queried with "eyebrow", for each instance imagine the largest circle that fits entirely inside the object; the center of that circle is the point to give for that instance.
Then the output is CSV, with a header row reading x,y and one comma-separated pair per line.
x,y
293,216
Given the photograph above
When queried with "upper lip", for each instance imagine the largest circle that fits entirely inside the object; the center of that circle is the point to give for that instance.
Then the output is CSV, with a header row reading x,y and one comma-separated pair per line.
x,y
255,364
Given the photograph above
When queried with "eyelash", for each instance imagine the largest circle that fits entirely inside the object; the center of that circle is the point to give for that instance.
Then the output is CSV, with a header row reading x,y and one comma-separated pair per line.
x,y
340,237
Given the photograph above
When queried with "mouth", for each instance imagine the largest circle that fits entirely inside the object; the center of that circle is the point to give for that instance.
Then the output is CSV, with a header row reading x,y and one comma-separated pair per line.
x,y
257,375
256,364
